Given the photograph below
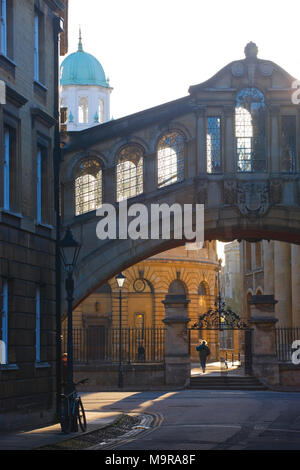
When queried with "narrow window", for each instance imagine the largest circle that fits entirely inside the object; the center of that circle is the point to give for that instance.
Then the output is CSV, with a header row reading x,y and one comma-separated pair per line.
x,y
288,144
88,187
42,185
258,257
36,48
129,172
3,27
4,325
101,111
39,47
83,111
213,145
38,325
170,159
250,131
10,170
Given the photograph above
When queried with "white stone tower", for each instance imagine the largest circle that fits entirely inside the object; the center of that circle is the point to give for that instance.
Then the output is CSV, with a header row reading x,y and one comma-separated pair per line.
x,y
84,91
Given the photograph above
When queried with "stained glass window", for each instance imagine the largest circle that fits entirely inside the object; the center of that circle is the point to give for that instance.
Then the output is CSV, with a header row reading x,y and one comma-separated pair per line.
x,y
170,159
129,172
250,130
213,144
88,187
288,143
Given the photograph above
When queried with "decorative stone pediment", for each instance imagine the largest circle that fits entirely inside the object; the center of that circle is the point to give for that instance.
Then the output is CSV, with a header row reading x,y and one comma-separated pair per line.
x,y
250,71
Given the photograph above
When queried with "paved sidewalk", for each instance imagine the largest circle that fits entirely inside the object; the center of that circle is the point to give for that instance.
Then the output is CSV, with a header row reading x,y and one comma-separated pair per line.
x,y
35,438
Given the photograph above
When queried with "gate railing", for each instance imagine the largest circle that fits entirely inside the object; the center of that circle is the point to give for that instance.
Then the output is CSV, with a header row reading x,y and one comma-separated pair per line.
x,y
284,338
99,344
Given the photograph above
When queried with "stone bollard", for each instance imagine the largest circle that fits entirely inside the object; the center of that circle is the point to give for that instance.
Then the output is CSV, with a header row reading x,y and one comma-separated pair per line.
x,y
177,354
264,359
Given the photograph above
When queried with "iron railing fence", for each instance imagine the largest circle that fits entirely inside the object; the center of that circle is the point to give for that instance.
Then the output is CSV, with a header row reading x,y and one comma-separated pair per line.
x,y
284,338
99,344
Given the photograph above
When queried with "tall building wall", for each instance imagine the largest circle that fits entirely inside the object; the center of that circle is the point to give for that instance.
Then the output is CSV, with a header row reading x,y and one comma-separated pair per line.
x,y
27,216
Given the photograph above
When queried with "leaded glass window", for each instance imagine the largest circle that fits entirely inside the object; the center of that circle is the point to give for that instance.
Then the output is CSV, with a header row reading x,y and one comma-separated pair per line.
x,y
88,187
288,143
129,172
250,130
170,159
213,144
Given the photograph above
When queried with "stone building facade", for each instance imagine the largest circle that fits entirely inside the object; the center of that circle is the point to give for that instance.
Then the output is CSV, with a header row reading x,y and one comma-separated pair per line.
x,y
272,268
177,271
29,59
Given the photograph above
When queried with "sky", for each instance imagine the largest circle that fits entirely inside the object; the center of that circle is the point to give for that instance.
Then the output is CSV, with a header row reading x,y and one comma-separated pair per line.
x,y
152,51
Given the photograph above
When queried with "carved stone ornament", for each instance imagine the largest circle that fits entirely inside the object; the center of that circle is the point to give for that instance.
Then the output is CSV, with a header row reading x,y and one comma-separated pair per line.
x,y
276,191
229,192
266,69
237,69
253,198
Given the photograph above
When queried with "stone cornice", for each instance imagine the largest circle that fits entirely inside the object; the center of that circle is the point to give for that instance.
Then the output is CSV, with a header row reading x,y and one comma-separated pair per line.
x,y
15,98
42,117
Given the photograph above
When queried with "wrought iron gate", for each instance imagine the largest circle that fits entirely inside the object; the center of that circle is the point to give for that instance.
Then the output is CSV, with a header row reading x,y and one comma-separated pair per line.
x,y
228,338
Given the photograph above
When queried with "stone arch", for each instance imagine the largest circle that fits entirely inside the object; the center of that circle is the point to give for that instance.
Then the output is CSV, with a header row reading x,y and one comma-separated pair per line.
x,y
177,287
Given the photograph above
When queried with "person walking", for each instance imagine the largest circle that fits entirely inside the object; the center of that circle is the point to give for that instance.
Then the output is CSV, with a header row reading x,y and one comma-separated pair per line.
x,y
204,352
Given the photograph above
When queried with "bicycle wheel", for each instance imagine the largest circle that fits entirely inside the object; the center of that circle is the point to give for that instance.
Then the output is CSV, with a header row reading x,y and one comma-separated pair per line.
x,y
65,421
81,415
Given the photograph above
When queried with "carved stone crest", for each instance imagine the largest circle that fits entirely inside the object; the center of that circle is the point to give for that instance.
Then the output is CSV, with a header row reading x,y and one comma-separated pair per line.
x,y
253,198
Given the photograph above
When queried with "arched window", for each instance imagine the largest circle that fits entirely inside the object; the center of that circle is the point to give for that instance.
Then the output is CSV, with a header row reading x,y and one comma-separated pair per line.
x,y
177,287
101,111
250,130
170,159
202,290
88,186
129,172
83,111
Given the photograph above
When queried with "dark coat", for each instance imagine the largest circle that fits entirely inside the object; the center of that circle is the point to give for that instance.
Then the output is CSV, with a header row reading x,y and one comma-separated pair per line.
x,y
203,350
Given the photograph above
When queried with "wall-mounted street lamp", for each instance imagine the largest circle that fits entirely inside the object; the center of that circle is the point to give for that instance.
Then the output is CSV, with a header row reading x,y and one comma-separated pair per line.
x,y
120,278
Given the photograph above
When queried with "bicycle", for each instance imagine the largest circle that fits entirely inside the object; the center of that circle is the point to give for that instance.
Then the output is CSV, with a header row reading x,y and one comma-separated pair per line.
x,y
72,411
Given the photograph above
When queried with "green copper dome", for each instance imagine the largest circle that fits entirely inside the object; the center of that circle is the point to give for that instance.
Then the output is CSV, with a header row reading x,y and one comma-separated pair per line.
x,y
81,68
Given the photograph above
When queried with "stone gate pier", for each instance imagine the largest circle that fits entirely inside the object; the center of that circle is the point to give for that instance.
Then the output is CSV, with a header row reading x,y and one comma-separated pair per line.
x,y
177,354
264,359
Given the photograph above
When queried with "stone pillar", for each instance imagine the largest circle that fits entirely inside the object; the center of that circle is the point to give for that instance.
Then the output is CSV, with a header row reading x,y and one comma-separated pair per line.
x,y
295,275
230,157
282,283
109,185
201,141
150,173
275,153
264,360
177,354
268,254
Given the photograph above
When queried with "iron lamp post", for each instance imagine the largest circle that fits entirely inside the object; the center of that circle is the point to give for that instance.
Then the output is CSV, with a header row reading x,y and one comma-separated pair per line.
x,y
120,278
69,251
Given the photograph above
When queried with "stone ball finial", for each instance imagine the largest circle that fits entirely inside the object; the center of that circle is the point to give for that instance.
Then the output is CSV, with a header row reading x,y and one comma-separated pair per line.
x,y
251,50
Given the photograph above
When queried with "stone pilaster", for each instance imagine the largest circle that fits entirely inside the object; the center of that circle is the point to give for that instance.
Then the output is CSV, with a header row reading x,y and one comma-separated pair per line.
x,y
230,156
268,254
201,141
150,173
264,360
177,355
282,283
275,150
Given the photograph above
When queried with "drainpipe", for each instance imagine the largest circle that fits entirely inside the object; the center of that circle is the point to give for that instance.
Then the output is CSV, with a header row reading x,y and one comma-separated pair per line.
x,y
57,29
